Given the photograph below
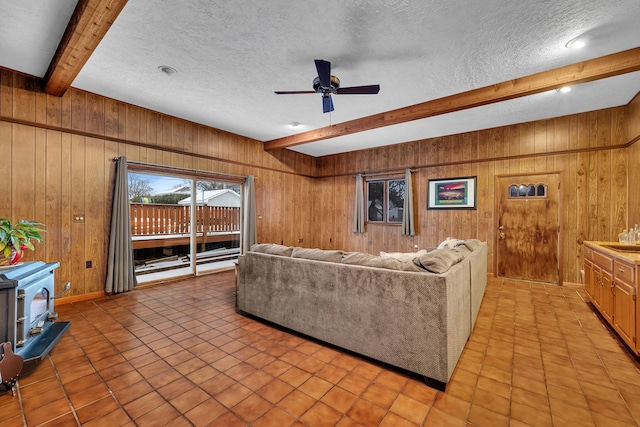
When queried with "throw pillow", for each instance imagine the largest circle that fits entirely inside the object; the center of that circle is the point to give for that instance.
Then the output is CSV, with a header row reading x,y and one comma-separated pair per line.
x,y
439,261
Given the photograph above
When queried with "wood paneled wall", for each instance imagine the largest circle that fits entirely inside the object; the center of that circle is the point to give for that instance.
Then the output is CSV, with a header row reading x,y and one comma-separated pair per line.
x,y
634,162
57,162
590,150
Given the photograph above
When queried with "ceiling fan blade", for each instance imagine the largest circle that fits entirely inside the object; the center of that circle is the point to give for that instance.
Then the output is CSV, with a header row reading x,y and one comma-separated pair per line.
x,y
324,72
358,90
294,92
327,104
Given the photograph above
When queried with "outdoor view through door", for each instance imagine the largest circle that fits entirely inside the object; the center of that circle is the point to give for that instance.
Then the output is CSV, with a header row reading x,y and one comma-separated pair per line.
x,y
182,225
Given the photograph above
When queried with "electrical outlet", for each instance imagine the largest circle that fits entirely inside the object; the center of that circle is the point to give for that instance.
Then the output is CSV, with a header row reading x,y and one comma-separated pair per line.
x,y
89,264
78,217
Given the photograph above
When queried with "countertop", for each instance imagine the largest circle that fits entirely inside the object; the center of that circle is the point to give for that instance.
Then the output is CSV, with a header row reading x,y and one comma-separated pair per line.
x,y
632,257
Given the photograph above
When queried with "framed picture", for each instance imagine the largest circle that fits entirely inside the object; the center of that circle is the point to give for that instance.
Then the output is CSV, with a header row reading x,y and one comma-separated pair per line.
x,y
455,193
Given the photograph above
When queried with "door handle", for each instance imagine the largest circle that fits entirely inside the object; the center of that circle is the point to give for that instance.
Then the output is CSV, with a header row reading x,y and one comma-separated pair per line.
x,y
501,235
501,227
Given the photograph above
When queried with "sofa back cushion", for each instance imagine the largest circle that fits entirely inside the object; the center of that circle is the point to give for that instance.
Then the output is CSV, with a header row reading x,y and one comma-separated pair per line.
x,y
403,256
272,249
394,264
357,258
472,244
317,254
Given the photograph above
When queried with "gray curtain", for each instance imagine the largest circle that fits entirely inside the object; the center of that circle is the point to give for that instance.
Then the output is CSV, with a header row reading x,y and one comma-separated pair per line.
x,y
120,268
250,228
358,214
408,228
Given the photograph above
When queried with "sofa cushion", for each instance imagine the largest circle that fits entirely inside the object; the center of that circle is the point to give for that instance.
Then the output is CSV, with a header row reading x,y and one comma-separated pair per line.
x,y
272,249
317,254
472,244
462,250
393,264
403,256
439,261
356,258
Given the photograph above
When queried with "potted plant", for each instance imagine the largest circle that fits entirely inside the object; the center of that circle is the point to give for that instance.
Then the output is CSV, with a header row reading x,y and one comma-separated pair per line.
x,y
16,238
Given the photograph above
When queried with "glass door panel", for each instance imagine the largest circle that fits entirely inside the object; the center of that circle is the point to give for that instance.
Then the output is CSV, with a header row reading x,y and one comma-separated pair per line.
x,y
217,225
160,226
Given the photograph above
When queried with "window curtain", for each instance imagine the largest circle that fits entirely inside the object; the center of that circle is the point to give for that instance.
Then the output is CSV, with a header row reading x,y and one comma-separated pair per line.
x,y
358,214
249,229
408,228
120,268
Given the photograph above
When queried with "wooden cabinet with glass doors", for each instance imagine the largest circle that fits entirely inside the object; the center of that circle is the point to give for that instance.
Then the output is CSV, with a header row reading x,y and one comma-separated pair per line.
x,y
611,284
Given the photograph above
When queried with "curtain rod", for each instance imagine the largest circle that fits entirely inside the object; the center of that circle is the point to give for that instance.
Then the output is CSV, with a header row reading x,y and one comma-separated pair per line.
x,y
176,168
386,172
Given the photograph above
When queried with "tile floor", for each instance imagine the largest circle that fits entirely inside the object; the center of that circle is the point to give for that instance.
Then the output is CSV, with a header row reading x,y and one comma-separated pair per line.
x,y
179,355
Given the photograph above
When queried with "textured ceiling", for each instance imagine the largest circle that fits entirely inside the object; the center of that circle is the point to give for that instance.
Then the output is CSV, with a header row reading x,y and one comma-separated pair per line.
x,y
231,56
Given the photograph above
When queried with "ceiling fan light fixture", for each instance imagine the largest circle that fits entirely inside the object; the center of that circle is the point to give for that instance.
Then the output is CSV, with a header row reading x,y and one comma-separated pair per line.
x,y
327,84
576,43
169,71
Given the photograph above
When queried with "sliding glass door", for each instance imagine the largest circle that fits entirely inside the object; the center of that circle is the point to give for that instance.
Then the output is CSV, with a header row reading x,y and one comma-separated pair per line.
x,y
182,226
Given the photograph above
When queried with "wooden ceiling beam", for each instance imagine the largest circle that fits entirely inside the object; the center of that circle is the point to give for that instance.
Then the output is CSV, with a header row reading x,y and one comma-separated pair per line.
x,y
595,69
89,23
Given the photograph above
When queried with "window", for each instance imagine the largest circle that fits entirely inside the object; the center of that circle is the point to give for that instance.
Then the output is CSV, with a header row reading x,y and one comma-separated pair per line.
x,y
530,190
385,201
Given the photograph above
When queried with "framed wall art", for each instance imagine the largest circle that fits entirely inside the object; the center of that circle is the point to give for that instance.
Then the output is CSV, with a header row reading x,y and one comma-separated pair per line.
x,y
454,193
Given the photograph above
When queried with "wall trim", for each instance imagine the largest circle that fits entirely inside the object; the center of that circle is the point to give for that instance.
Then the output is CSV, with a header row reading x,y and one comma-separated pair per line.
x,y
381,171
78,298
495,159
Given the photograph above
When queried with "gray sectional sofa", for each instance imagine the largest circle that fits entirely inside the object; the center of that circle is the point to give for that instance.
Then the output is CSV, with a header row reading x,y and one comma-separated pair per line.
x,y
414,312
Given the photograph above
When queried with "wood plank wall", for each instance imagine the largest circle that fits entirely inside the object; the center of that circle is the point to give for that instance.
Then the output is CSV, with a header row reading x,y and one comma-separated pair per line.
x,y
634,162
590,150
58,162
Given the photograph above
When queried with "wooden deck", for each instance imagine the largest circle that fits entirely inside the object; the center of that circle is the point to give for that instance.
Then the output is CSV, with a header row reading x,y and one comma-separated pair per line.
x,y
165,225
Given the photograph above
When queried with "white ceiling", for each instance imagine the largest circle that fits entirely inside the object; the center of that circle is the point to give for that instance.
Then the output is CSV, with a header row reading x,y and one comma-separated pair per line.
x,y
231,56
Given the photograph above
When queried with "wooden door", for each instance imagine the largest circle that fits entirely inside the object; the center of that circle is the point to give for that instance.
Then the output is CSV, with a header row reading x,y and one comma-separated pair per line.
x,y
528,232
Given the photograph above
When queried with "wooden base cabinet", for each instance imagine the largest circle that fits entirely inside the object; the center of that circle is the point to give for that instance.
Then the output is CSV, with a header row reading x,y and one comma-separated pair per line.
x,y
611,283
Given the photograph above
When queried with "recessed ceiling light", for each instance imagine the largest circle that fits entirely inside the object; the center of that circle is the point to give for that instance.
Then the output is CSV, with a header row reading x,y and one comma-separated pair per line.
x,y
169,71
295,125
564,89
575,44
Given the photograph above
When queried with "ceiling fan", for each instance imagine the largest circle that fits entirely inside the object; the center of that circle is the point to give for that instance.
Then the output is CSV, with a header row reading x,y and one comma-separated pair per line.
x,y
326,84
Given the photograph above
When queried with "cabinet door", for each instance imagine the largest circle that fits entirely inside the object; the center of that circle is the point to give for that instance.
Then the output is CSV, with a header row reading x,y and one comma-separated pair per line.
x,y
606,295
589,279
597,286
624,319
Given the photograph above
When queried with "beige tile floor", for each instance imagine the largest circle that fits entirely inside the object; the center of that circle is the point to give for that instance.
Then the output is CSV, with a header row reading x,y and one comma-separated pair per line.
x,y
180,355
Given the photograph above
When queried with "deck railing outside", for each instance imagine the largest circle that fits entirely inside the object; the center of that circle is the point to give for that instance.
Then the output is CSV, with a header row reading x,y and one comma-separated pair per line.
x,y
165,219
